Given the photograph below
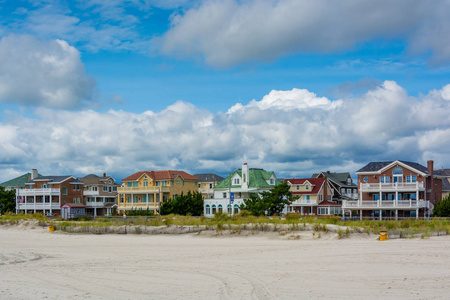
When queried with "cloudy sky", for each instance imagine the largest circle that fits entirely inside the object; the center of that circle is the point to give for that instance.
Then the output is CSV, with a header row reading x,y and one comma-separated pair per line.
x,y
293,86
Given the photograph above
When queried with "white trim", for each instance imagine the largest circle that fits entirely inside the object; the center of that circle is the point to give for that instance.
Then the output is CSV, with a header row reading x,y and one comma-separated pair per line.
x,y
391,165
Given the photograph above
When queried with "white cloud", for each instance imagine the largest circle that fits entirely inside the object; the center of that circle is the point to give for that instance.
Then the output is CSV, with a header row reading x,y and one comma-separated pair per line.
x,y
292,132
230,32
44,73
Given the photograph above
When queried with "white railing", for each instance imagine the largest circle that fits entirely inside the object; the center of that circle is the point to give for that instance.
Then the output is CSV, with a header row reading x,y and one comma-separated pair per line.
x,y
30,206
90,193
305,202
144,189
384,204
392,186
38,192
95,204
350,195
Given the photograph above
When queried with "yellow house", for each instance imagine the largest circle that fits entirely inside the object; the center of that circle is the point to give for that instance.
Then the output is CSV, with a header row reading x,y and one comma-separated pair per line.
x,y
148,189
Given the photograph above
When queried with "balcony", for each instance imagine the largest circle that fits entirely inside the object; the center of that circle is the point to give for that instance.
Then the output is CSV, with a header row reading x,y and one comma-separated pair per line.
x,y
95,204
40,206
301,202
38,192
397,186
143,189
384,204
90,193
350,195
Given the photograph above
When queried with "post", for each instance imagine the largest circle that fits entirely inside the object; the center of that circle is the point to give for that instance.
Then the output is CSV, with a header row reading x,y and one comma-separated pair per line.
x,y
229,195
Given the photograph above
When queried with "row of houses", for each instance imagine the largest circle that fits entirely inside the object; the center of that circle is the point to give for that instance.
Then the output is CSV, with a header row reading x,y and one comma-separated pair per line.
x,y
392,189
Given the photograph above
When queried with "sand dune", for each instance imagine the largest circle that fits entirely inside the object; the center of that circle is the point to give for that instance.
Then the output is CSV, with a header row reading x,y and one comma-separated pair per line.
x,y
36,264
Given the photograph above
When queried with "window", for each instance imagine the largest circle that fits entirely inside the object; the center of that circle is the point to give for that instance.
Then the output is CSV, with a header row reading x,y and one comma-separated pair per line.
x,y
172,183
145,183
207,210
129,184
121,199
44,186
213,208
220,208
109,189
135,184
94,188
105,188
164,198
365,179
385,179
163,183
397,171
114,188
349,181
78,187
210,185
272,182
135,199
199,185
342,191
74,187
109,181
179,182
144,198
129,199
322,211
64,191
298,187
411,178
224,195
306,198
320,197
240,195
229,209
329,197
236,209
307,187
236,181
349,191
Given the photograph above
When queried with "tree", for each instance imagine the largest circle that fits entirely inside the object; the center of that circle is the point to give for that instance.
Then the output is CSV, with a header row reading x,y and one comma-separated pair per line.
x,y
269,203
7,200
191,203
442,208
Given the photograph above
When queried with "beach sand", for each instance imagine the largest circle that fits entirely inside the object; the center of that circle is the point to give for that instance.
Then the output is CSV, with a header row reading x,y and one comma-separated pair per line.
x,y
36,264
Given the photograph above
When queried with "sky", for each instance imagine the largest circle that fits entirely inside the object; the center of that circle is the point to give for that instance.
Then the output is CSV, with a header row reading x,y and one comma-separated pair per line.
x,y
292,86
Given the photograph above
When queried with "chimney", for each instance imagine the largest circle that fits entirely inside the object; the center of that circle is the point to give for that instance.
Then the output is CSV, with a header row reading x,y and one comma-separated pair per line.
x,y
430,169
34,174
104,174
325,188
245,175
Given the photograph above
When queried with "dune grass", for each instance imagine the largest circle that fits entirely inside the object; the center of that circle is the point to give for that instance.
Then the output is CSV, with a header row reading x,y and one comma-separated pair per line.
x,y
245,221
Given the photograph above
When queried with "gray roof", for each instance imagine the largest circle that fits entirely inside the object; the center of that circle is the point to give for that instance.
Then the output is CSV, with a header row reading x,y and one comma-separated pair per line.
x,y
376,166
209,177
442,172
339,178
54,179
446,184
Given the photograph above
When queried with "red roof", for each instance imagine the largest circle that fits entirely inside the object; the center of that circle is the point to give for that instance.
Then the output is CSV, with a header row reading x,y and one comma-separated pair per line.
x,y
328,203
161,175
316,182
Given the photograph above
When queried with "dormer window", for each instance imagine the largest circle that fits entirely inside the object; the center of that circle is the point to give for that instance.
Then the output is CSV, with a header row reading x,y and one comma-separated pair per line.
x,y
298,187
236,181
349,181
272,182
307,187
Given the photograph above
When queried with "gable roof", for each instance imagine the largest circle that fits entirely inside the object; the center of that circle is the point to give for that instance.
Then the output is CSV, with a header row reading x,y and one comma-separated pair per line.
x,y
316,182
161,175
446,184
257,178
96,179
209,177
18,181
377,166
328,203
338,178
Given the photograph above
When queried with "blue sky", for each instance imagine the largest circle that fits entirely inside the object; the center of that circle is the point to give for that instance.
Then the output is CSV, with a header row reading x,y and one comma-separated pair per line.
x,y
297,87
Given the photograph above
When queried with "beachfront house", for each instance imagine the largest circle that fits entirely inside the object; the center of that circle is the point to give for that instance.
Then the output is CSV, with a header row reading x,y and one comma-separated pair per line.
x,y
100,194
148,189
207,183
46,194
396,189
342,185
313,197
240,184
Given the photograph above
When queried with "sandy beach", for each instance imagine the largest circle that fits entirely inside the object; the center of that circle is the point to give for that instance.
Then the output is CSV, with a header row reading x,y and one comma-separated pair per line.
x,y
36,264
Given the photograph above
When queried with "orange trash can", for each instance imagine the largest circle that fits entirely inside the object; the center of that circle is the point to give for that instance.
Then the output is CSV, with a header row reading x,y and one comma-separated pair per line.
x,y
383,235
51,228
